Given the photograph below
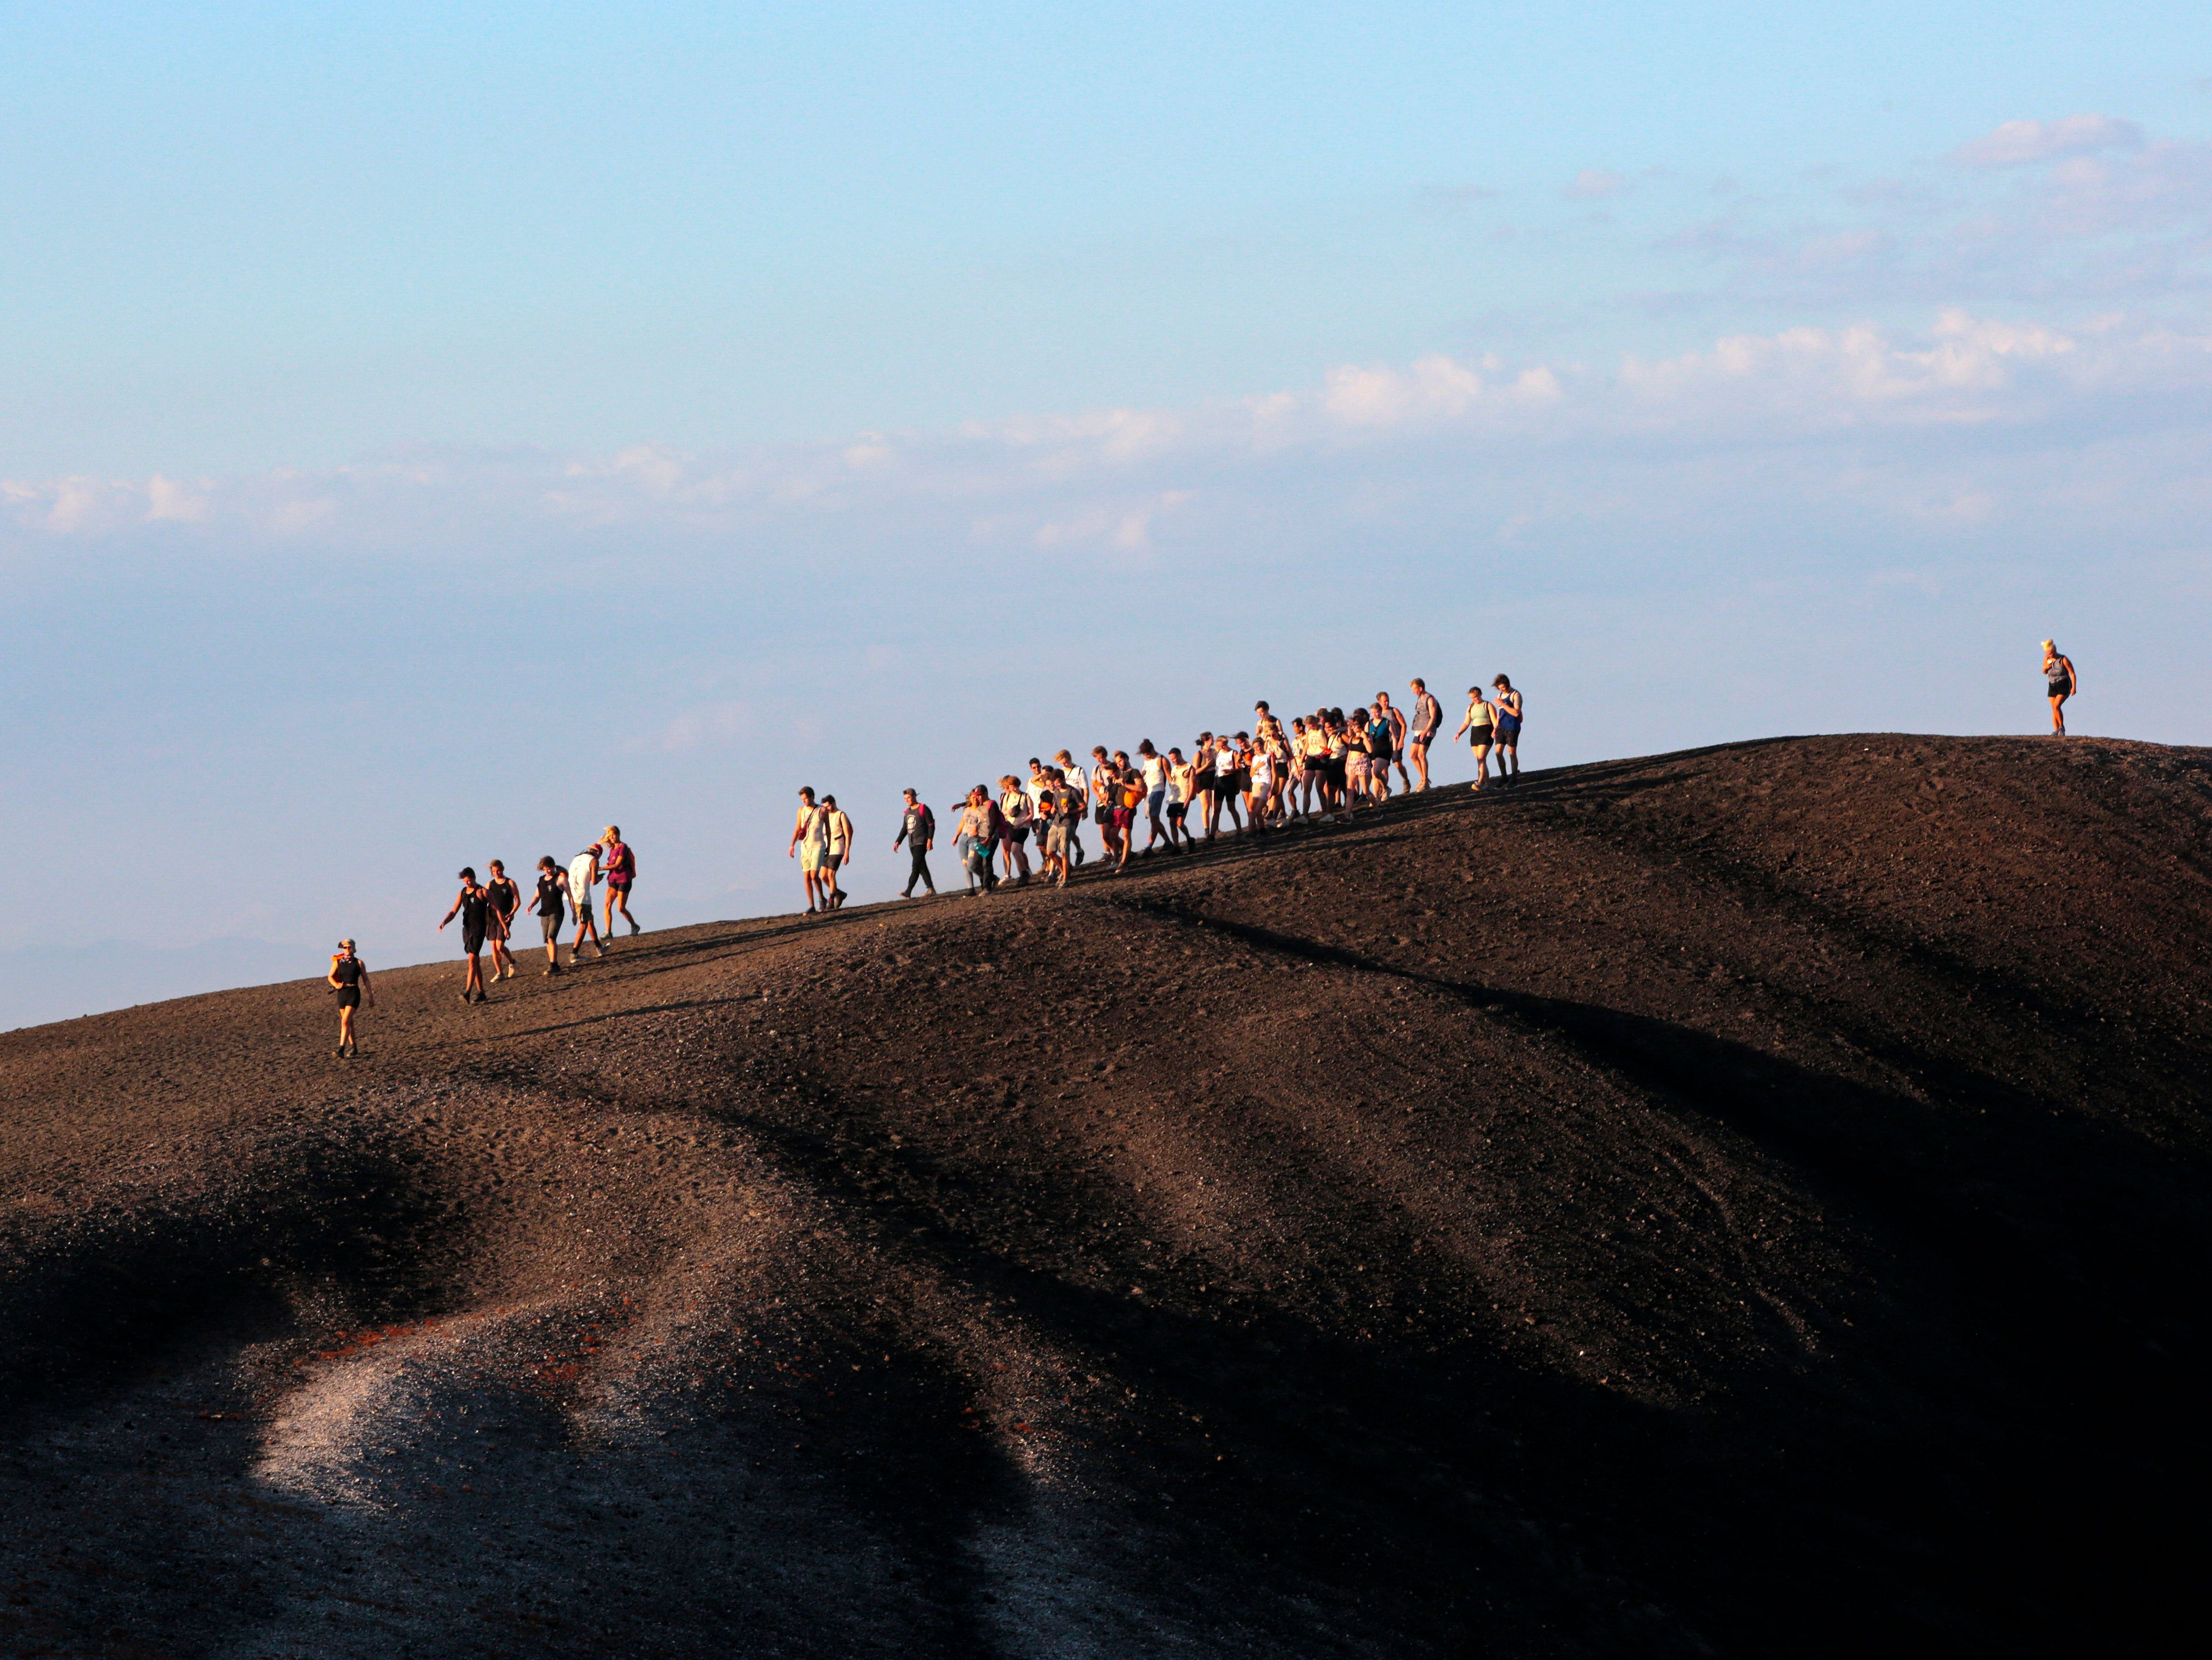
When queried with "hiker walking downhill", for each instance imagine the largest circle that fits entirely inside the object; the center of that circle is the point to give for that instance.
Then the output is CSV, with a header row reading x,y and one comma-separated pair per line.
x,y
2060,683
837,849
1480,726
552,907
1428,716
499,924
474,909
809,838
618,865
583,877
918,829
1508,705
349,977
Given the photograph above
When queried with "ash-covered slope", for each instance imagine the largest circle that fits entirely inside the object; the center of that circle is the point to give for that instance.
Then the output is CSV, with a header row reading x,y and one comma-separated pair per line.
x,y
1747,1201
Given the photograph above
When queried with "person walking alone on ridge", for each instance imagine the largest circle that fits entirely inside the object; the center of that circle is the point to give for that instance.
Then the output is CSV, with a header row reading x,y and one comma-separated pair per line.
x,y
619,866
506,900
2061,682
809,836
1480,726
552,905
474,909
918,829
349,976
1509,731
583,877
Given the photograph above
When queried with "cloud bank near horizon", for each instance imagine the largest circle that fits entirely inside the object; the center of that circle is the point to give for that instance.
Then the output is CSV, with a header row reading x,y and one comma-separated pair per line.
x,y
1856,414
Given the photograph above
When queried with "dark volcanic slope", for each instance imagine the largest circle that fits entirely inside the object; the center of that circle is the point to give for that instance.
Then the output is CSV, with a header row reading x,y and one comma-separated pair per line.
x,y
1746,1201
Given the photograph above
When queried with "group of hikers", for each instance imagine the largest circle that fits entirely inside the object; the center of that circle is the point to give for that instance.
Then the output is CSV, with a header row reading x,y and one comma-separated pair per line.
x,y
487,911
1321,767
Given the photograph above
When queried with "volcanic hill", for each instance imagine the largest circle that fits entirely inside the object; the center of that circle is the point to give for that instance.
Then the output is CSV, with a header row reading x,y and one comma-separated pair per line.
x,y
1746,1201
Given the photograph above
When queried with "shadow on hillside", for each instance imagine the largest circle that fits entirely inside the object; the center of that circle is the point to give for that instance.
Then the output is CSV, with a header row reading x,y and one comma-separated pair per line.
x,y
2016,1399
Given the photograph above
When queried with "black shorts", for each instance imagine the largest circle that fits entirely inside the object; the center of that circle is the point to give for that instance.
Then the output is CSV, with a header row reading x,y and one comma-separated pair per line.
x,y
1479,737
1509,732
1240,782
1385,754
1176,811
471,941
2062,688
1333,770
348,997
1203,783
1016,836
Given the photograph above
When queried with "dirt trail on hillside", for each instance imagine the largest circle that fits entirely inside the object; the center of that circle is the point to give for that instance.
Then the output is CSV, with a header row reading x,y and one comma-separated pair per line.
x,y
1749,1201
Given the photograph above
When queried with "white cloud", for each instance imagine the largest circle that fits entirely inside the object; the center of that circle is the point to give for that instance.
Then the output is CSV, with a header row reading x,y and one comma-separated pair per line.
x,y
2017,143
1594,185
708,723
1119,482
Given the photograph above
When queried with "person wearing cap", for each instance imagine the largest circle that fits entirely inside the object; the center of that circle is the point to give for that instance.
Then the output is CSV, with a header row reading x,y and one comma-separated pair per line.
x,y
349,977
918,829
552,906
473,908
2061,682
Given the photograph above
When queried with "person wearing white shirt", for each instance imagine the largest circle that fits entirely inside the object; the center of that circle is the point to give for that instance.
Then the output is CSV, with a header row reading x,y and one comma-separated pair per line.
x,y
1155,769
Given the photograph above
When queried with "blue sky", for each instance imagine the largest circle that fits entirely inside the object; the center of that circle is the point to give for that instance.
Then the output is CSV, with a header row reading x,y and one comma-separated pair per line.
x,y
427,436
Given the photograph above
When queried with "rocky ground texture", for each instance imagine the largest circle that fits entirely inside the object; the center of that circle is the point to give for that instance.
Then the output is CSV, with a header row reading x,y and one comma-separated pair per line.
x,y
1747,1201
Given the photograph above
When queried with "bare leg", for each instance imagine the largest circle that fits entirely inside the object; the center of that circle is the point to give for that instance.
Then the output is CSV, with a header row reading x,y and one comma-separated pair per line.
x,y
1481,764
2059,716
345,1028
1420,754
473,987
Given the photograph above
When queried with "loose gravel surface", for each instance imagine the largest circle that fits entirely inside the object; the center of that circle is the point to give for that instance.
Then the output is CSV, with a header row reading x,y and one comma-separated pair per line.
x,y
1749,1201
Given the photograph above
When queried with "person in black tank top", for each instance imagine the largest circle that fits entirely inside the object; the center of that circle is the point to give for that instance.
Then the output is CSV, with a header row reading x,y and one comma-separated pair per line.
x,y
349,977
474,909
505,899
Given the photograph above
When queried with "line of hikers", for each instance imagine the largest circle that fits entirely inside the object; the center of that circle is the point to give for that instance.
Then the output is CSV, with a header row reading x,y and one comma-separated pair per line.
x,y
1321,767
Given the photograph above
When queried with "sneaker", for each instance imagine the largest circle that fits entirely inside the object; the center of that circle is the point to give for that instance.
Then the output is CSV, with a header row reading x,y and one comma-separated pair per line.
x,y
634,928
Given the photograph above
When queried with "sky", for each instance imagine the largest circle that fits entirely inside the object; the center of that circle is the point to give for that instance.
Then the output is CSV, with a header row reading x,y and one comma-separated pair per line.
x,y
430,434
